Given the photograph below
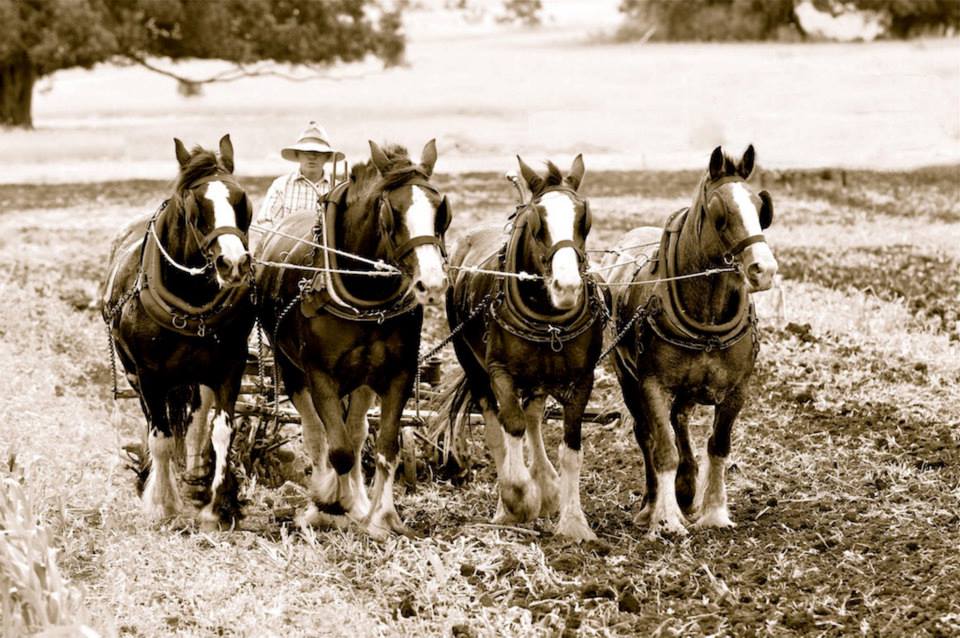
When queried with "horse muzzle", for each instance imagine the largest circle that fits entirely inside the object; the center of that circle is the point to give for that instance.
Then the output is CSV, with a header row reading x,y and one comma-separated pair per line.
x,y
429,293
759,267
564,297
233,272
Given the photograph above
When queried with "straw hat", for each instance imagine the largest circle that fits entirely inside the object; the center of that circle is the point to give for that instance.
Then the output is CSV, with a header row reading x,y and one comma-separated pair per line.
x,y
313,138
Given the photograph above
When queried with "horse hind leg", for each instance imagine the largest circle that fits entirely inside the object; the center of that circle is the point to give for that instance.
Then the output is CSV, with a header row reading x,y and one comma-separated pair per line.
x,y
160,496
541,469
357,429
199,451
710,503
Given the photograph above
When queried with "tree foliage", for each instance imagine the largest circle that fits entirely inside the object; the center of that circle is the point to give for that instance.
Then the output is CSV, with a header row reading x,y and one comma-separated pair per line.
x,y
38,37
721,20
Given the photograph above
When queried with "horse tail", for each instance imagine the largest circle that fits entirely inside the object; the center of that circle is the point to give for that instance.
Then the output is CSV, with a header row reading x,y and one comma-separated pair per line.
x,y
451,405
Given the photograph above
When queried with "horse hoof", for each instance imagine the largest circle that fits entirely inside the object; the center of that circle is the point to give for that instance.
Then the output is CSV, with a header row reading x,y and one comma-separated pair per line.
x,y
575,528
381,527
318,517
521,501
642,518
670,525
549,498
716,517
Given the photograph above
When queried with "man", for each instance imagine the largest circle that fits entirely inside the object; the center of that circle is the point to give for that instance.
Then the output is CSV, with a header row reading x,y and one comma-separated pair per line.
x,y
300,190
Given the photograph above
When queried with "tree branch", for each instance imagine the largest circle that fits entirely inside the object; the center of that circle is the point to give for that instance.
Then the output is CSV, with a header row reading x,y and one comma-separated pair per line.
x,y
238,72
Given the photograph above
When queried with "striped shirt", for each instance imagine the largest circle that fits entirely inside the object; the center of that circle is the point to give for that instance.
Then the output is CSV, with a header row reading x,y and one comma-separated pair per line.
x,y
292,193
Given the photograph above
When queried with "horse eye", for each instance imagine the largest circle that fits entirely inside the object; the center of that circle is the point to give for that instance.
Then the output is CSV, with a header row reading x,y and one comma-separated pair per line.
x,y
720,222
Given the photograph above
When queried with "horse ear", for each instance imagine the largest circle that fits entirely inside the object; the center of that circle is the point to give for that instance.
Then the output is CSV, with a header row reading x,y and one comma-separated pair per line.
x,y
530,176
378,157
443,217
183,156
766,209
576,172
716,163
746,164
428,157
226,152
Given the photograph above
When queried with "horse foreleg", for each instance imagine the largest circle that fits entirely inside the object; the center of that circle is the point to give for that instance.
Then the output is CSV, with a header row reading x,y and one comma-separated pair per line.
x,y
324,509
573,522
383,518
160,496
687,468
519,494
711,499
541,469
664,514
357,428
324,392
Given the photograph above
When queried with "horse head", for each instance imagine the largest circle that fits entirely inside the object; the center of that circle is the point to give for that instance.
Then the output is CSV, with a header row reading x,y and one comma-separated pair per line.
x,y
217,212
558,219
732,218
413,218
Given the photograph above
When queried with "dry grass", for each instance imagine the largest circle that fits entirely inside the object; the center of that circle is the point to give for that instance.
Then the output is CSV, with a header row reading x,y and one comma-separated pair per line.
x,y
844,482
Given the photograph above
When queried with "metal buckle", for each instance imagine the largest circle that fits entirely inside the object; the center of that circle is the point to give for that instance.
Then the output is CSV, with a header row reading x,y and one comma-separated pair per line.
x,y
555,343
183,321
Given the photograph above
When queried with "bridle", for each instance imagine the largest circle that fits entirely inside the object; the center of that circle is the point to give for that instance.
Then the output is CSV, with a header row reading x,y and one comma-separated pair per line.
x,y
397,253
525,211
191,213
732,252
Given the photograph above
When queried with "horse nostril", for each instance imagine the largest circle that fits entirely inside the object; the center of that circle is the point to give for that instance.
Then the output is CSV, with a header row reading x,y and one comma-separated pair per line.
x,y
754,271
221,264
419,287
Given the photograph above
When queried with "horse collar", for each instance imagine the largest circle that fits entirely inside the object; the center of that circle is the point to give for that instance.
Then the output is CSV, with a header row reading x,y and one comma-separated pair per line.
x,y
670,319
515,316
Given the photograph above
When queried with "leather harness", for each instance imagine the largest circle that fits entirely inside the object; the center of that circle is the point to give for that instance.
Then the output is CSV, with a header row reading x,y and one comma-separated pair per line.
x,y
515,316
169,310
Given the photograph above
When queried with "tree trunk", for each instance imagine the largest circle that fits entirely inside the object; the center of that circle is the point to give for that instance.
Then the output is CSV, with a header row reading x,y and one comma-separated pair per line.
x,y
17,77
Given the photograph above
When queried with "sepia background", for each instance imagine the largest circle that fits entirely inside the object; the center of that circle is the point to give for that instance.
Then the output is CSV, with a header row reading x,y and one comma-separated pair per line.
x,y
844,479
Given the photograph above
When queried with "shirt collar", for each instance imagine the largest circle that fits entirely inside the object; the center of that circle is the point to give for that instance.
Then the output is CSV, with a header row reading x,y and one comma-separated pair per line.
x,y
323,180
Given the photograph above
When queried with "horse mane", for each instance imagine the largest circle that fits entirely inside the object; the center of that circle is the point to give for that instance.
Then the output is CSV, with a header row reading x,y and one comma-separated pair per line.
x,y
366,179
729,168
201,164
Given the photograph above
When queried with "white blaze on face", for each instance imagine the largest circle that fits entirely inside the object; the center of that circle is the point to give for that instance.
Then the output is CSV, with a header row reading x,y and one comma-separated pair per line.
x,y
224,215
758,254
420,220
559,217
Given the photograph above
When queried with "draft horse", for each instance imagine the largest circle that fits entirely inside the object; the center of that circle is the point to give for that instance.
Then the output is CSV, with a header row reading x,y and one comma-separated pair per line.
x,y
540,336
691,338
178,308
343,306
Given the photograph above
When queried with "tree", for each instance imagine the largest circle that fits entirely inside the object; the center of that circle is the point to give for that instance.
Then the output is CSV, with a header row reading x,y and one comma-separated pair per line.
x,y
39,37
